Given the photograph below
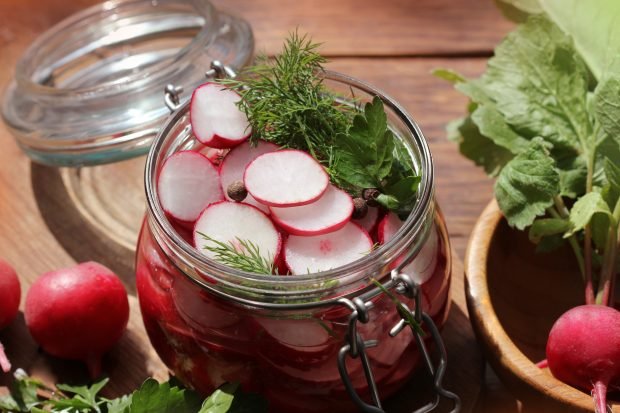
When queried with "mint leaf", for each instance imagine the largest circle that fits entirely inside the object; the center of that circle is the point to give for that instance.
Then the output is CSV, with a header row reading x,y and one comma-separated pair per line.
x,y
526,186
584,209
153,397
548,226
539,84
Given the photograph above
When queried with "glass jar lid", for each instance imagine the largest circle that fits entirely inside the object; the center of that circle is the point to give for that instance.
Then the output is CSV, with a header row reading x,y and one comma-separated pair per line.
x,y
90,90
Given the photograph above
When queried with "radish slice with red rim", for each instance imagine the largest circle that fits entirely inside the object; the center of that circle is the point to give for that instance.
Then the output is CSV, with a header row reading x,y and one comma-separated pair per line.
x,y
229,222
215,118
327,214
285,178
234,164
369,222
187,183
305,255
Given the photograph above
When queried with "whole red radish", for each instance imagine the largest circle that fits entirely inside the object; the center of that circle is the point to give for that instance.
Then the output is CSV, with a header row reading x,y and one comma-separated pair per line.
x,y
10,293
583,350
78,313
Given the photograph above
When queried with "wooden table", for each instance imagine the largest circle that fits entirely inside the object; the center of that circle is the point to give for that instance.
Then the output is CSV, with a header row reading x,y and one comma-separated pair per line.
x,y
394,44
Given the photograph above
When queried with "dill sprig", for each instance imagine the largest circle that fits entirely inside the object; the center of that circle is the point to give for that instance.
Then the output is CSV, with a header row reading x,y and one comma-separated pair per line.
x,y
247,258
286,102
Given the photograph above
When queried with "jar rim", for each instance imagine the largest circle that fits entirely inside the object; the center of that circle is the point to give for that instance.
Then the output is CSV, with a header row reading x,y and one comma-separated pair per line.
x,y
192,263
96,13
110,63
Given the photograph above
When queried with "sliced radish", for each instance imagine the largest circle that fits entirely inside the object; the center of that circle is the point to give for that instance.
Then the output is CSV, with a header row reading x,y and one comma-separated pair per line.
x,y
323,252
229,222
234,164
216,120
298,336
327,214
369,222
215,155
188,182
285,178
388,226
423,265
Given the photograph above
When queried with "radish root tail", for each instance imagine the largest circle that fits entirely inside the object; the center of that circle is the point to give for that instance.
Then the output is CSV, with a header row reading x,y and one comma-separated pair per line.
x,y
599,392
5,364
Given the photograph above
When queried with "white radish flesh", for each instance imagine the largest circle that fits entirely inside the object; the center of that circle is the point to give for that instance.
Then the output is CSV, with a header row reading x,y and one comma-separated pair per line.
x,y
229,222
369,222
323,252
424,263
327,214
234,164
188,182
216,120
285,178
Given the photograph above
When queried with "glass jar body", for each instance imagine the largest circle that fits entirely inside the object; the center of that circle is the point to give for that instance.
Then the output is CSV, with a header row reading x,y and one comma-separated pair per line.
x,y
290,357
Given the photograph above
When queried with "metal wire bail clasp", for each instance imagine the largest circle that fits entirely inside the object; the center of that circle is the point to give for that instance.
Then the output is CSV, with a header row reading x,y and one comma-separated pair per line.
x,y
355,347
404,285
172,93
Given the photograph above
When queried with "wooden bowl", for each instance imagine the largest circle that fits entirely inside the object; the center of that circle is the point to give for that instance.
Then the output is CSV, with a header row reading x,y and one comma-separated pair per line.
x,y
514,295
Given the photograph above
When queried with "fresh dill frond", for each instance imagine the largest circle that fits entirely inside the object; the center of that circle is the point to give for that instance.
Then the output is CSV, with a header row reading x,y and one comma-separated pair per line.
x,y
286,103
245,257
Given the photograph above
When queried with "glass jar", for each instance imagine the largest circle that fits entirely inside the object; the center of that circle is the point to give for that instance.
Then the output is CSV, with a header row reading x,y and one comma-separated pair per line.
x,y
280,335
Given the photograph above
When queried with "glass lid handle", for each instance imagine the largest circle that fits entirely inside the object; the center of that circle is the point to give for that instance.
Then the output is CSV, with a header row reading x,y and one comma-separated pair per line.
x,y
355,346
172,93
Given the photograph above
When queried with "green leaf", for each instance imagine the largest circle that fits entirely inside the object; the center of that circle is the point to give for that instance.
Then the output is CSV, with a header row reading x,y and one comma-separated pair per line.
x,y
366,153
611,191
85,397
221,400
518,10
153,397
594,26
119,405
24,391
607,106
550,243
492,124
548,226
539,84
584,209
526,186
480,149
449,75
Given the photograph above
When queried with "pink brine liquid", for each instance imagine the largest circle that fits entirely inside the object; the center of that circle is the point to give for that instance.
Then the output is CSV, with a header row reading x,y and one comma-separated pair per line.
x,y
289,358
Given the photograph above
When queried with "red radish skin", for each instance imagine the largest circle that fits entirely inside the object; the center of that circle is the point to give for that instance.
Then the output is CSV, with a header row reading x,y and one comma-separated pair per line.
x,y
329,213
78,313
187,184
234,164
583,350
285,178
10,294
215,118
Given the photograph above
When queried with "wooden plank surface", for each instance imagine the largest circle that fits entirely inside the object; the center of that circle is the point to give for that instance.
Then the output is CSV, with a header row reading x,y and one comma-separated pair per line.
x,y
391,44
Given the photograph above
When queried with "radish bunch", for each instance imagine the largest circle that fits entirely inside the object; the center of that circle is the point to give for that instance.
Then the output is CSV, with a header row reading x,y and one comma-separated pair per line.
x,y
278,200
